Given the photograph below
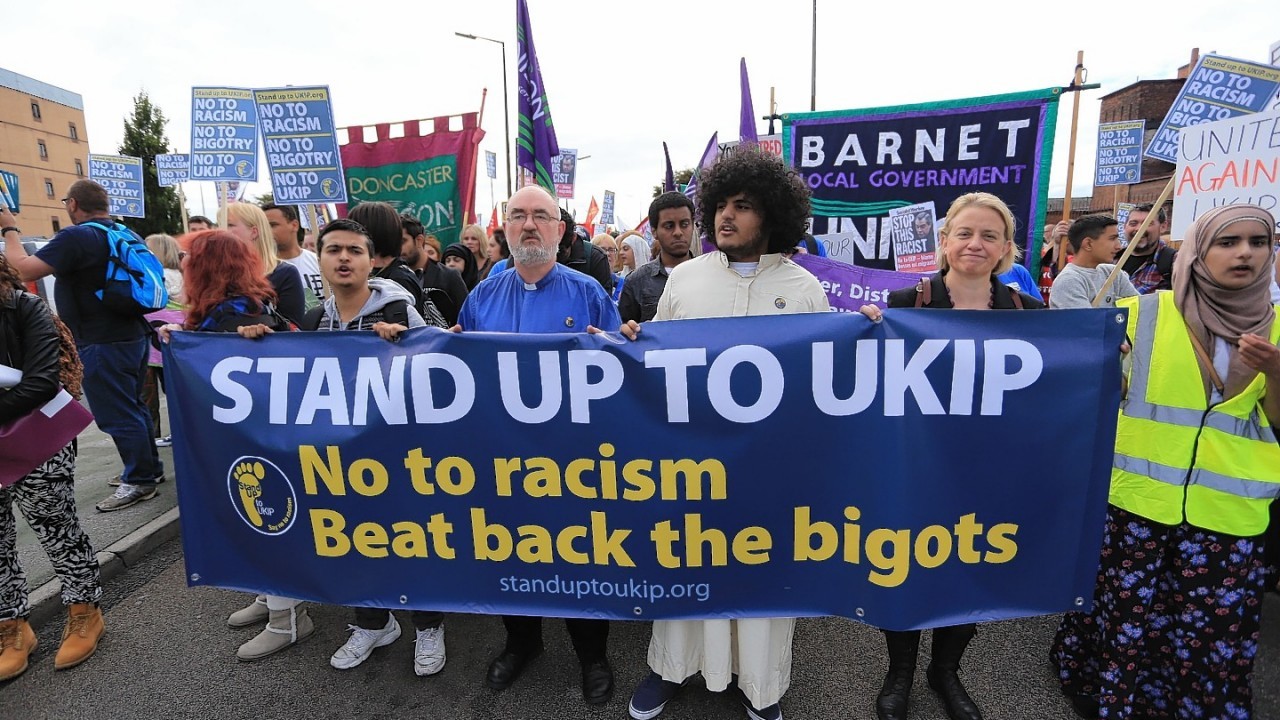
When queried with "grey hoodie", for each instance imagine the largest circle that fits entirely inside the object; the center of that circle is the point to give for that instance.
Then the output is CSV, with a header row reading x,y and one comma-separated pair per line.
x,y
384,291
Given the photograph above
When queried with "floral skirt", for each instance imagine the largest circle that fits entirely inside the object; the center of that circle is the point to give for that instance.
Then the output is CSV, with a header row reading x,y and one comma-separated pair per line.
x,y
1174,626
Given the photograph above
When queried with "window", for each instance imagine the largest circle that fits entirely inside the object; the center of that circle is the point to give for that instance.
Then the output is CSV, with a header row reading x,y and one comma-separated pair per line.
x,y
48,188
79,169
44,149
56,225
35,109
75,134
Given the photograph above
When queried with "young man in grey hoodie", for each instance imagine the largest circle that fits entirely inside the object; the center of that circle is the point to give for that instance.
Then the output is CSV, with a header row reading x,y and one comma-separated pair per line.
x,y
359,302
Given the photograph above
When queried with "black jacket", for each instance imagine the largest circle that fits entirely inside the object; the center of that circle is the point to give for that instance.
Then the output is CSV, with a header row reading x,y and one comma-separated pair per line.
x,y
30,343
444,287
589,260
1001,295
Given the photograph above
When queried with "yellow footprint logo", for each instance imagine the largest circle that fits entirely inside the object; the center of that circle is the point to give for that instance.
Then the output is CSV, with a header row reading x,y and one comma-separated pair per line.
x,y
249,479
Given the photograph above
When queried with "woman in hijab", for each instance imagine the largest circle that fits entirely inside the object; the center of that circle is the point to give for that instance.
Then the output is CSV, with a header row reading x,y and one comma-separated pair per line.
x,y
1175,619
458,257
635,251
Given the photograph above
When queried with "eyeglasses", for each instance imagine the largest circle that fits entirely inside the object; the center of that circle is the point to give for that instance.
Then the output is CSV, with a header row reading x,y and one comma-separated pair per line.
x,y
539,217
609,251
64,200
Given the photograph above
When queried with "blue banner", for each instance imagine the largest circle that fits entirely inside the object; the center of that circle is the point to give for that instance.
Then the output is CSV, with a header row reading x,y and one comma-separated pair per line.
x,y
302,147
606,210
1218,88
224,134
878,472
173,168
121,175
1119,159
860,164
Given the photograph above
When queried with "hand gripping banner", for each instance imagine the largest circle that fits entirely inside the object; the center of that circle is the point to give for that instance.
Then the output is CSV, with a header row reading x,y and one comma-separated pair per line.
x,y
773,466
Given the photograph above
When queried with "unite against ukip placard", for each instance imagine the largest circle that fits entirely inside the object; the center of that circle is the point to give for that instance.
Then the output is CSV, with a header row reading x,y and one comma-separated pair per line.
x,y
173,168
121,176
1119,153
1218,88
224,134
302,148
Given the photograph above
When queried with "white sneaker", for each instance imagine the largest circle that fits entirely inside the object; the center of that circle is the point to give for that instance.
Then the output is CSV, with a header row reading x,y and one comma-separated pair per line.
x,y
363,642
428,651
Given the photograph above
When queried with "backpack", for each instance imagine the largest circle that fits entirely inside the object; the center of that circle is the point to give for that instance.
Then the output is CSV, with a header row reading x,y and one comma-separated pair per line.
x,y
395,312
134,284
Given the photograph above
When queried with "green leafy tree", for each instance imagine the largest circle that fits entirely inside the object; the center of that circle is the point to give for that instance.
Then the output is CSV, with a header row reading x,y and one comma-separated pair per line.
x,y
266,198
144,137
682,178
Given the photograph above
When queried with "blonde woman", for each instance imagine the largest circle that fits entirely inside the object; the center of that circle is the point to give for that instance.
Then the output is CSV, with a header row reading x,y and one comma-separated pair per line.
x,y
474,239
249,222
166,250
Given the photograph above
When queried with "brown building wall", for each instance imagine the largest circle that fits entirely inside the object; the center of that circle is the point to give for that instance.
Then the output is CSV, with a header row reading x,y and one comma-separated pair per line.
x,y
21,134
1148,100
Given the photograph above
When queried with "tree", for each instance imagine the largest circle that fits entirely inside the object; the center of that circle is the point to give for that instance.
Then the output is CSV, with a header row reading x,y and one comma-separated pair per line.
x,y
266,198
144,137
682,178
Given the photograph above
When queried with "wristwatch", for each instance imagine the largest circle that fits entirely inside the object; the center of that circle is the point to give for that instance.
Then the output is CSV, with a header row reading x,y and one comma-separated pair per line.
x,y
6,231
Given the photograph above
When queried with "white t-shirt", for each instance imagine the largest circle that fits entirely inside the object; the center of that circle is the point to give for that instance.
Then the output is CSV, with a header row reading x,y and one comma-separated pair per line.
x,y
309,267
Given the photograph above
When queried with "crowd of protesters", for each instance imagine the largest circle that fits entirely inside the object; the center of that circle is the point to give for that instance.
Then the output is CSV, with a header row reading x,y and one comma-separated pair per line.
x,y
1174,627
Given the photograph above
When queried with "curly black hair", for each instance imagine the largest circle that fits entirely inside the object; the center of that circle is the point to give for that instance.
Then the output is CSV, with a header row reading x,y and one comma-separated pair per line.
x,y
777,190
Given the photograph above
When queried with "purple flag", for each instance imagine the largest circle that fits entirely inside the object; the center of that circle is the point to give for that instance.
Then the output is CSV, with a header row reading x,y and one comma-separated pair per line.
x,y
709,157
669,182
747,124
536,142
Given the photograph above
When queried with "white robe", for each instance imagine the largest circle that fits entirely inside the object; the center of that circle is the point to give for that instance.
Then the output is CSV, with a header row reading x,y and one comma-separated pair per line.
x,y
757,650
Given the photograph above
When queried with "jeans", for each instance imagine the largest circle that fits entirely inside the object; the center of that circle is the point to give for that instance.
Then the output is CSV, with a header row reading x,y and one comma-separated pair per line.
x,y
113,377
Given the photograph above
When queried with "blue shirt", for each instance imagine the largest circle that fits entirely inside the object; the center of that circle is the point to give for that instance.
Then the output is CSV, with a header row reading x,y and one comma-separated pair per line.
x,y
563,301
78,255
1019,278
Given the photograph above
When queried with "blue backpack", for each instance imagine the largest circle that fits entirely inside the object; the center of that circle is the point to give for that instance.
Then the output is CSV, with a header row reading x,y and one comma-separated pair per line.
x,y
135,278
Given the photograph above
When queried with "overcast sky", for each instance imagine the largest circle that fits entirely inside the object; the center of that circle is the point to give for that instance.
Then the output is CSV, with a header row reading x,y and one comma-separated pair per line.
x,y
621,77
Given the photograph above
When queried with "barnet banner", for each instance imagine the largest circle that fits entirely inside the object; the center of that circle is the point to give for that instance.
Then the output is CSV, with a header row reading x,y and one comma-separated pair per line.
x,y
755,467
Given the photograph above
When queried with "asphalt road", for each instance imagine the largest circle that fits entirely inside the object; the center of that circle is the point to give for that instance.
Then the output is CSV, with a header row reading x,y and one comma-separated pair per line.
x,y
168,654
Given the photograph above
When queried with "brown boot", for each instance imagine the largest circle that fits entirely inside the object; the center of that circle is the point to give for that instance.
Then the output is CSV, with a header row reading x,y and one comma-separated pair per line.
x,y
17,641
80,638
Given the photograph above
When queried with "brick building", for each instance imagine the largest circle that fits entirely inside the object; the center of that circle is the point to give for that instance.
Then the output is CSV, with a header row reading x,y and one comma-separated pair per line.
x,y
42,140
1148,100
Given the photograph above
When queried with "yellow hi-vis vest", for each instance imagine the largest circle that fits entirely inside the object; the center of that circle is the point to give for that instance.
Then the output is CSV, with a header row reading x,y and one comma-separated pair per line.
x,y
1177,458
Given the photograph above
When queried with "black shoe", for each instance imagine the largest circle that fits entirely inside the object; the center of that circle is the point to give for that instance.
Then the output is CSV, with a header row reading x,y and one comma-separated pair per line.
x,y
597,682
507,667
1085,706
946,683
893,701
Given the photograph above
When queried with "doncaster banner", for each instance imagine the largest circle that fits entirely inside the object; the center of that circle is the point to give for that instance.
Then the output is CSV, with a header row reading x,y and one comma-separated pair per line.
x,y
824,466
860,164
428,171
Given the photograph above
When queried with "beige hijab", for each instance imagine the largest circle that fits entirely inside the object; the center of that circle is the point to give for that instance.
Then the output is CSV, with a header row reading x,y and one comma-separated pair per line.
x,y
1211,310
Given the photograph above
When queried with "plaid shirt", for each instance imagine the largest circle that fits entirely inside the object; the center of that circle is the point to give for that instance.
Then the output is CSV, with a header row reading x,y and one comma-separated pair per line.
x,y
1148,278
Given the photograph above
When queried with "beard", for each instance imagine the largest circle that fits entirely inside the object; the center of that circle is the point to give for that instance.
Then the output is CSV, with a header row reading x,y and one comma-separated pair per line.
x,y
522,254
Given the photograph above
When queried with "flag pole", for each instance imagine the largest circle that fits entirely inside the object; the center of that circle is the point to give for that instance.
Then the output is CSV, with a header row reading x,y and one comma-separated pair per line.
x,y
1133,242
1077,85
182,202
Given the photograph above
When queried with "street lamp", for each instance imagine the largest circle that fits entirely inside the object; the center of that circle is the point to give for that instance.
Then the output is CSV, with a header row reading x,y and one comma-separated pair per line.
x,y
506,108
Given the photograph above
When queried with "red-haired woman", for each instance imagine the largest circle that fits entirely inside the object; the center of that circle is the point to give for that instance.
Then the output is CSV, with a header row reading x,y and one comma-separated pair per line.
x,y
224,285
227,292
